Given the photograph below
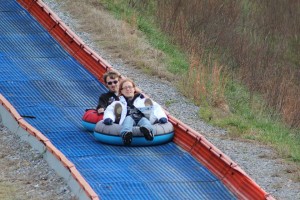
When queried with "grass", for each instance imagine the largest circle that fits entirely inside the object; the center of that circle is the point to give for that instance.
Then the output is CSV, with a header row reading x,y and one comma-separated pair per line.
x,y
252,122
247,117
177,61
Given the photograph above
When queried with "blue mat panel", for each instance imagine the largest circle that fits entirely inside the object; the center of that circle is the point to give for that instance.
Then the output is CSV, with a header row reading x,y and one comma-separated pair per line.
x,y
62,68
30,45
19,22
51,90
6,6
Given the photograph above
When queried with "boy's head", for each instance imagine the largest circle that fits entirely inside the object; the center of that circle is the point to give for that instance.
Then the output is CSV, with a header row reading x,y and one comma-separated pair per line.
x,y
111,80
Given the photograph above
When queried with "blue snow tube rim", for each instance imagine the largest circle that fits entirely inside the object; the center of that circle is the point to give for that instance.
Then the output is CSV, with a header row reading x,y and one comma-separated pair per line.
x,y
110,134
88,125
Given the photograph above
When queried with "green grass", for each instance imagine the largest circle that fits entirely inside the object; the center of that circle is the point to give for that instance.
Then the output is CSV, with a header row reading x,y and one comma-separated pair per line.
x,y
177,60
254,122
246,120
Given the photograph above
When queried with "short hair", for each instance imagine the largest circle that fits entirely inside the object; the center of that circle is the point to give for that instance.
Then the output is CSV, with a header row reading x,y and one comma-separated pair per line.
x,y
122,83
112,75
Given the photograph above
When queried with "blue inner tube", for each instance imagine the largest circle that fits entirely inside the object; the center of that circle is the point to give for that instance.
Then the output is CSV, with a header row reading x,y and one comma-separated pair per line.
x,y
88,125
110,134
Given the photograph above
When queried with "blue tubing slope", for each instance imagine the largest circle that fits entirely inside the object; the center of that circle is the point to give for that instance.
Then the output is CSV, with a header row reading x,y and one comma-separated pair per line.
x,y
51,90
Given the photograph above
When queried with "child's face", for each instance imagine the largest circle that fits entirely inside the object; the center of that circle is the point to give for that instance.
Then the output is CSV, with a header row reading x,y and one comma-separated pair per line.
x,y
127,89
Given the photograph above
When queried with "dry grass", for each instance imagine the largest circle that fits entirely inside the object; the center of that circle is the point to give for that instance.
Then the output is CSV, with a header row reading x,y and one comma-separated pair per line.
x,y
7,191
118,38
205,85
259,40
232,30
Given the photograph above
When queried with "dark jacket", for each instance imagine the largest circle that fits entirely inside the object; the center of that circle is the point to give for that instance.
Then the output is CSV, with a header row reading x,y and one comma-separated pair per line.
x,y
106,99
134,112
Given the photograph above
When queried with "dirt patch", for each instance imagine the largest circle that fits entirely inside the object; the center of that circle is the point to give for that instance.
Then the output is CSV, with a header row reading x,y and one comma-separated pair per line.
x,y
116,37
25,174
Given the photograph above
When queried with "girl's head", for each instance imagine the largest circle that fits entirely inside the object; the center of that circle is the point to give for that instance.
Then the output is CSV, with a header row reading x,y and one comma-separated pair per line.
x,y
127,88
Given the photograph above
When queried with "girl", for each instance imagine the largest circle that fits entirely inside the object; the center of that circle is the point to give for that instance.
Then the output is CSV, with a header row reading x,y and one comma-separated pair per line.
x,y
132,108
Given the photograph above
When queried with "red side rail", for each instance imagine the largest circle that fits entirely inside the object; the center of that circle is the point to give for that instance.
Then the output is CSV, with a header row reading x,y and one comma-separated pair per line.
x,y
206,153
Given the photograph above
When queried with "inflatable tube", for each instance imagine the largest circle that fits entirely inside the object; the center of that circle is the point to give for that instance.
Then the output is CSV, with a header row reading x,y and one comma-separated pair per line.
x,y
110,134
90,119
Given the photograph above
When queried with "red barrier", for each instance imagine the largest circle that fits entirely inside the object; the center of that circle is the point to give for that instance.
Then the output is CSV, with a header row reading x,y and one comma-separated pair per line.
x,y
26,3
39,10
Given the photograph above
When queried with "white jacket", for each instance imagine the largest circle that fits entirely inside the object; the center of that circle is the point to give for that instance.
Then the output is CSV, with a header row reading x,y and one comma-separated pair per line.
x,y
154,112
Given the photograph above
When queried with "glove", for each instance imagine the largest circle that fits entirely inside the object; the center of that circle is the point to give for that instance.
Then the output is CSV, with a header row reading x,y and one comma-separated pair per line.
x,y
108,121
163,120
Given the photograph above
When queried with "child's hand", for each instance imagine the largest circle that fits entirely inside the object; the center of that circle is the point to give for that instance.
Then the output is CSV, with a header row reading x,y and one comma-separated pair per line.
x,y
108,121
163,120
100,110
